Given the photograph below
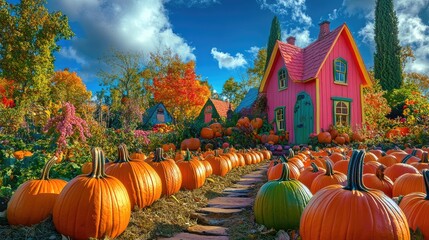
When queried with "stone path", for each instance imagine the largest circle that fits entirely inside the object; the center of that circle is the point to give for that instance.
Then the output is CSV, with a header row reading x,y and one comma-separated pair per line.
x,y
211,219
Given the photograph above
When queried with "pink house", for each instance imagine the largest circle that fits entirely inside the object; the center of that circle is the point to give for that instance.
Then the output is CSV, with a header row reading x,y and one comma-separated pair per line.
x,y
310,88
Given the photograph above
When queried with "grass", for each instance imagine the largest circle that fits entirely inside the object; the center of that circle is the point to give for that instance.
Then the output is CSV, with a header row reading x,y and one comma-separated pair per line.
x,y
164,218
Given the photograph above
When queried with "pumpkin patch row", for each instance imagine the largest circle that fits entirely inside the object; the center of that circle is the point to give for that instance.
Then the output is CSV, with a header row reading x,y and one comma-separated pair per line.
x,y
99,202
309,189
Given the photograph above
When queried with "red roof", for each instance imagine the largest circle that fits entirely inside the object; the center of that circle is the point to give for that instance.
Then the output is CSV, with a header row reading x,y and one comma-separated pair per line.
x,y
304,63
221,106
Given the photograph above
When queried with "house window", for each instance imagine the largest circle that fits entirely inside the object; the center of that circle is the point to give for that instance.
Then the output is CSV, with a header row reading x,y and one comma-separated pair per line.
x,y
208,114
340,70
279,116
342,111
160,116
282,78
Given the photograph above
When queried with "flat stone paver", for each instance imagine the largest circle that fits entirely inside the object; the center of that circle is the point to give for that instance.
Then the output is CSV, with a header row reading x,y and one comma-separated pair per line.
x,y
237,194
208,230
191,236
245,189
248,181
231,202
209,219
248,186
215,210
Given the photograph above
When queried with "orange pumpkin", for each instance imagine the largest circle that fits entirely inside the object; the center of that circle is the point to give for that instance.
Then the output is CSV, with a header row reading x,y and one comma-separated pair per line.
x,y
256,123
168,171
408,183
207,133
416,208
324,137
193,172
107,208
381,216
243,121
399,169
34,200
21,154
216,127
219,164
192,144
379,181
168,147
141,181
330,177
309,174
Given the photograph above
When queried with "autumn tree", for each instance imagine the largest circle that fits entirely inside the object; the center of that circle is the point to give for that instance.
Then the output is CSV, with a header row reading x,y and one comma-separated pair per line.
x,y
123,78
232,91
387,62
68,87
256,73
180,90
28,41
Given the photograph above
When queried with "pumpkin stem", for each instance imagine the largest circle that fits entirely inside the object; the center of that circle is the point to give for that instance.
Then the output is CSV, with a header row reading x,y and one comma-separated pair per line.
x,y
425,157
283,158
47,168
315,167
291,152
380,172
188,156
329,169
425,174
285,173
158,157
97,163
123,154
406,158
354,174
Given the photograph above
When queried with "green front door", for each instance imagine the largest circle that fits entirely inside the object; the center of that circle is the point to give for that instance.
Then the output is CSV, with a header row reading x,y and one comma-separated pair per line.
x,y
303,118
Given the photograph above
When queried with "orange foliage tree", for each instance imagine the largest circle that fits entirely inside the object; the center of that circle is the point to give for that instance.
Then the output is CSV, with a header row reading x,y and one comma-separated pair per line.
x,y
68,87
6,91
180,90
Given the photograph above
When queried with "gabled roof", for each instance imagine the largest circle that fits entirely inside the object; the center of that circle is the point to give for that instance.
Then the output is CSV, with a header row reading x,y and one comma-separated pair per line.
x,y
221,106
248,100
304,64
147,115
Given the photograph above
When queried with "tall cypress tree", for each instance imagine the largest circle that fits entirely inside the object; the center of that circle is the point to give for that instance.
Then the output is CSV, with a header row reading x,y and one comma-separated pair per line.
x,y
387,57
275,34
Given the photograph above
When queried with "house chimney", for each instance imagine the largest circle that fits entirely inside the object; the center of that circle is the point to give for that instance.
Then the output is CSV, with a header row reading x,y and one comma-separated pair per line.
x,y
324,29
291,40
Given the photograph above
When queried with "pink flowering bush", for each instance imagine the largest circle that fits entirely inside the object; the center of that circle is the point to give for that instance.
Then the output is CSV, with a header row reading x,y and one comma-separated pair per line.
x,y
66,126
142,136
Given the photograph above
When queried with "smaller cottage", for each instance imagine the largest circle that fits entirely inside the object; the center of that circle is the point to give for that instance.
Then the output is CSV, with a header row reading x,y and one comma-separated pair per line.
x,y
248,101
214,109
156,114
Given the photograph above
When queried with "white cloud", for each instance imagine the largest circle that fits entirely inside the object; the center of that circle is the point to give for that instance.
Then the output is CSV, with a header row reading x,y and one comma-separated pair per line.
x,y
254,51
302,36
70,52
225,60
334,15
195,3
413,31
131,26
358,6
295,9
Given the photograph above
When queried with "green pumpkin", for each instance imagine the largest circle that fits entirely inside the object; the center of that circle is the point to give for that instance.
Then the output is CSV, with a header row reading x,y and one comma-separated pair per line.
x,y
280,203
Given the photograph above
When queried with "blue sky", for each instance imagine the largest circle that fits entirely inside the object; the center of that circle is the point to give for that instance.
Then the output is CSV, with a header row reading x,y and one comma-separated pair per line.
x,y
222,36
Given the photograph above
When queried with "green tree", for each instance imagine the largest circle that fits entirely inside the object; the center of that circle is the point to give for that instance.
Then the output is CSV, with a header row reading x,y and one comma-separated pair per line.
x,y
275,34
232,91
28,40
387,57
256,73
127,87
